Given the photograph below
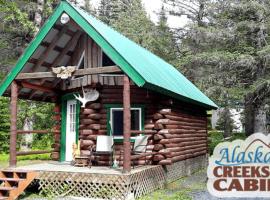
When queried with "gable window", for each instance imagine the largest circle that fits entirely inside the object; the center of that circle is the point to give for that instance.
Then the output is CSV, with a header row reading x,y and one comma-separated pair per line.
x,y
106,61
80,64
81,61
116,126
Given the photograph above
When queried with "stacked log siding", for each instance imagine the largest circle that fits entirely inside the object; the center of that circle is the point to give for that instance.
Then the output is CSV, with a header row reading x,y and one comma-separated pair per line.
x,y
176,130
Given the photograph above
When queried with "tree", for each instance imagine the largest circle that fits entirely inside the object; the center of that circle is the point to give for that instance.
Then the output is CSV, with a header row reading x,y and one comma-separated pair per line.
x,y
195,10
4,125
108,11
164,44
226,55
134,23
225,122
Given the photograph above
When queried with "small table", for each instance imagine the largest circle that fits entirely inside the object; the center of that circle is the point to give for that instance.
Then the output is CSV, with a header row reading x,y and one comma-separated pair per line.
x,y
82,161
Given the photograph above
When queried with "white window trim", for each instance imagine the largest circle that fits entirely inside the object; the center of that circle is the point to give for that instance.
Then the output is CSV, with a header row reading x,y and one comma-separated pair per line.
x,y
79,63
121,109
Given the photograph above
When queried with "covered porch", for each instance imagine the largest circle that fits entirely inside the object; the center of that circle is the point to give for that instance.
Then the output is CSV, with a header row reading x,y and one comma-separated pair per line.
x,y
59,130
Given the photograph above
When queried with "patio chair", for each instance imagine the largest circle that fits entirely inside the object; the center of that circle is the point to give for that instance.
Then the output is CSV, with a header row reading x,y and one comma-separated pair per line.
x,y
140,147
104,146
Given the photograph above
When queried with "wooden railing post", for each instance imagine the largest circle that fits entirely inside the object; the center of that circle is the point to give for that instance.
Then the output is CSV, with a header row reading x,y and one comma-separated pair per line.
x,y
127,125
13,125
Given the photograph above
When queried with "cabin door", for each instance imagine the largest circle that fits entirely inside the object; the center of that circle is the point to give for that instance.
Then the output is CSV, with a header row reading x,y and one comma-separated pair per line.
x,y
71,128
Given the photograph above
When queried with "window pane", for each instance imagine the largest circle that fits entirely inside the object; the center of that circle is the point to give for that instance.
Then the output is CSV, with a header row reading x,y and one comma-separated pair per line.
x,y
117,123
135,120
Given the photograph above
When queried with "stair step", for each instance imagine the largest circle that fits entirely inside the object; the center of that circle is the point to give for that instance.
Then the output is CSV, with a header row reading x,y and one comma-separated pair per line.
x,y
14,182
11,179
14,170
7,188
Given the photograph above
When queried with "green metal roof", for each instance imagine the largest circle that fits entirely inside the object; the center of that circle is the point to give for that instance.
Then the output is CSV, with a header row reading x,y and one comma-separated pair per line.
x,y
143,67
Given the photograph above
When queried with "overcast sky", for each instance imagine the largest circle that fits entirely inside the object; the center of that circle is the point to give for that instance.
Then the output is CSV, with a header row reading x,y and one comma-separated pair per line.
x,y
152,7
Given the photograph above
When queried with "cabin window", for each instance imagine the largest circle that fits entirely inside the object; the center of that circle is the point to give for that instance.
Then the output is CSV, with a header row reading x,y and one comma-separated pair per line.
x,y
81,61
106,61
116,120
80,64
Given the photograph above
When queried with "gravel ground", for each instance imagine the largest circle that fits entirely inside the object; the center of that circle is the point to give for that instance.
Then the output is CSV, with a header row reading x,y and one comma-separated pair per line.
x,y
199,178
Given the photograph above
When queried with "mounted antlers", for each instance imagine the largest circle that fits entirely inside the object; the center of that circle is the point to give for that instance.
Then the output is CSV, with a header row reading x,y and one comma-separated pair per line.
x,y
92,95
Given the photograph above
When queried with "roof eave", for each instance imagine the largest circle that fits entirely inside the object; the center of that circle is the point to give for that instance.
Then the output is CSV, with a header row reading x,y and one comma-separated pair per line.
x,y
31,49
180,97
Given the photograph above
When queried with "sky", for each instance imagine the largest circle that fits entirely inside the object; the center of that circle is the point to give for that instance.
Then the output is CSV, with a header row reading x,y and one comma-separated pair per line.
x,y
152,7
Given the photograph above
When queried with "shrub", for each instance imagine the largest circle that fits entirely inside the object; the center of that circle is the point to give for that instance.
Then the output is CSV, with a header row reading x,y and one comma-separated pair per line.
x,y
214,138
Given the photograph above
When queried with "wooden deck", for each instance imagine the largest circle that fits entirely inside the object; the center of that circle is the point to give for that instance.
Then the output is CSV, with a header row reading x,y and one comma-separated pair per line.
x,y
62,179
54,166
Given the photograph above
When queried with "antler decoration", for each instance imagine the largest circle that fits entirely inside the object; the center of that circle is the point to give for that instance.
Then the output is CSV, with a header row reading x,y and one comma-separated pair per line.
x,y
63,72
91,95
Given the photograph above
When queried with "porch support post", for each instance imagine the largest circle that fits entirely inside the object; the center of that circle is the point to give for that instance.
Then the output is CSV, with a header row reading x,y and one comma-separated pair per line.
x,y
13,125
127,125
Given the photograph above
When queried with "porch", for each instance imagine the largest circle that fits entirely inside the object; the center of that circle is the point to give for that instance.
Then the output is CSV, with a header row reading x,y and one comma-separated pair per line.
x,y
64,180
59,179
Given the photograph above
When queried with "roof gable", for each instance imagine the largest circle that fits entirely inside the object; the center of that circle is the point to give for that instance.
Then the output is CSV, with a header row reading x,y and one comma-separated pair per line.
x,y
143,67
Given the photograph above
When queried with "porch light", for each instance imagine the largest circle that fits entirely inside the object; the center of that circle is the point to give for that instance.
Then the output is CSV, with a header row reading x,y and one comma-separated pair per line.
x,y
64,18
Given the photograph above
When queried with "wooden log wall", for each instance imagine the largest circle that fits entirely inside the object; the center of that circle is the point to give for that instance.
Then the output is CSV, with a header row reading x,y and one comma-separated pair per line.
x,y
93,58
55,155
176,130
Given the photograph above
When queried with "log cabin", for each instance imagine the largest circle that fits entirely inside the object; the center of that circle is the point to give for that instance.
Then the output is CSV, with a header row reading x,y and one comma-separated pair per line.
x,y
138,94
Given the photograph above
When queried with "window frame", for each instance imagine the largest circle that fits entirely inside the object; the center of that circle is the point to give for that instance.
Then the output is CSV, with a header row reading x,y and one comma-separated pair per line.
x,y
111,107
82,58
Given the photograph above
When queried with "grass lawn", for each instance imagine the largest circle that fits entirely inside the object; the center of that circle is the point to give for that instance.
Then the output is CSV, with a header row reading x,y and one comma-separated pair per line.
x,y
23,160
181,189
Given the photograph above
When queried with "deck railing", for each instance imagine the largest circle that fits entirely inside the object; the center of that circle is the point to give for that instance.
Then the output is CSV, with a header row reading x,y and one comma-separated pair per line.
x,y
24,153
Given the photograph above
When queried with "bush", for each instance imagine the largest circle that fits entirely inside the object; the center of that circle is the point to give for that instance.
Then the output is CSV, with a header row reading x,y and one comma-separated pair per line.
x,y
214,138
239,136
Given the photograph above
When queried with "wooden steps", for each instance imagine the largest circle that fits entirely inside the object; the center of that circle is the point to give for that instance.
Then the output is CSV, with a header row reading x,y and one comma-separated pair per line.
x,y
13,182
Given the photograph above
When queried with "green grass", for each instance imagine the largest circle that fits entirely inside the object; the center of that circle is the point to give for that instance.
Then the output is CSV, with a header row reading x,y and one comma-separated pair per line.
x,y
24,160
178,190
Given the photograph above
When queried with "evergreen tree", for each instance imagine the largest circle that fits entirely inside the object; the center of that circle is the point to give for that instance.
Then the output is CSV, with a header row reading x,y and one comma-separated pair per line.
x,y
164,44
109,10
226,54
134,23
4,125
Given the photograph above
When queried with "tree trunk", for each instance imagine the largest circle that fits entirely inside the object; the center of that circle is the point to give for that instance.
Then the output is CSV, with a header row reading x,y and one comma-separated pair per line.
x,y
27,139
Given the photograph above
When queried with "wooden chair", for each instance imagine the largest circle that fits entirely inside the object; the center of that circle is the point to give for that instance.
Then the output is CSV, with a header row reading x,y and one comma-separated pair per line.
x,y
140,147
104,146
